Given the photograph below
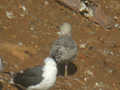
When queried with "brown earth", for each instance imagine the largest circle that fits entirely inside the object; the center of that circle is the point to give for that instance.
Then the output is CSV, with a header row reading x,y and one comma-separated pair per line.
x,y
28,28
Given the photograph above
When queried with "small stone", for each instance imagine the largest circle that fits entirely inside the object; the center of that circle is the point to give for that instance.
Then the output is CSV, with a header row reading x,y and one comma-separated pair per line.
x,y
116,17
116,25
46,2
99,84
85,79
89,73
83,45
20,44
108,52
23,7
32,28
9,14
110,70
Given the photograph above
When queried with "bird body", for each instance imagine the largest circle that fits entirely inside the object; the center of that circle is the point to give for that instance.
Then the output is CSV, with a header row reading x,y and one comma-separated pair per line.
x,y
64,49
38,78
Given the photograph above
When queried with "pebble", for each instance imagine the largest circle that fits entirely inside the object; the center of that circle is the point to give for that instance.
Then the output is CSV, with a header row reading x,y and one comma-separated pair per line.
x,y
99,84
25,11
89,72
23,8
20,44
116,25
108,52
32,28
83,45
9,15
46,2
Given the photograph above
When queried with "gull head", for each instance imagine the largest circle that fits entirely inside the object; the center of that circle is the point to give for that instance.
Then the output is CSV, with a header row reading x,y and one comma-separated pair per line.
x,y
65,29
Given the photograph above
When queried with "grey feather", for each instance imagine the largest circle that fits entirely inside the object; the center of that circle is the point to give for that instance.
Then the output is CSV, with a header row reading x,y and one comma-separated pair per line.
x,y
28,77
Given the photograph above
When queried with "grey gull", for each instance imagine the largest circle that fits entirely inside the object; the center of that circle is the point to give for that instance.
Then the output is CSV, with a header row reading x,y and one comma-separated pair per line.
x,y
64,49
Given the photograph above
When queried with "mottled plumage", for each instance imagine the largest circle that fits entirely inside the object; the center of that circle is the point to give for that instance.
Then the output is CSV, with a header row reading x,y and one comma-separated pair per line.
x,y
64,49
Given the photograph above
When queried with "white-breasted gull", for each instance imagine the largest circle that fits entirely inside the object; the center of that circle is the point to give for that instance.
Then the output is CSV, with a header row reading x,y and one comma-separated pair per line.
x,y
38,77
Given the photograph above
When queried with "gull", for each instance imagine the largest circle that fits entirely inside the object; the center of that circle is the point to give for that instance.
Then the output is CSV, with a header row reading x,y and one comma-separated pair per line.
x,y
38,77
64,49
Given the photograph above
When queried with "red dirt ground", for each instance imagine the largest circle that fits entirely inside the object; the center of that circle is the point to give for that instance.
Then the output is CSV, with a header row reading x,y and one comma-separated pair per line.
x,y
28,28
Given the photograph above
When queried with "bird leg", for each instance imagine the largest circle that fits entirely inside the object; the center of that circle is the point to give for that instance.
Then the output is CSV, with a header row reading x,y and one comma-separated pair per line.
x,y
66,70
